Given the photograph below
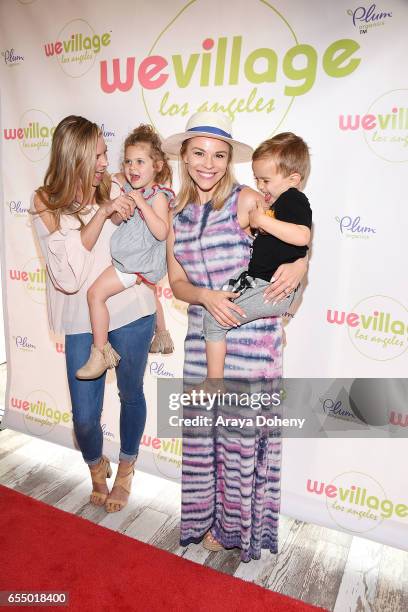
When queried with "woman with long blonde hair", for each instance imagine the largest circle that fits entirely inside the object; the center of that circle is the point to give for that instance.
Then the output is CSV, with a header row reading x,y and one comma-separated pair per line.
x,y
230,485
73,213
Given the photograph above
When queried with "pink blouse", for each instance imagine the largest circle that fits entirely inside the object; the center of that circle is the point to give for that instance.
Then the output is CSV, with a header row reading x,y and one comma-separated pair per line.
x,y
71,270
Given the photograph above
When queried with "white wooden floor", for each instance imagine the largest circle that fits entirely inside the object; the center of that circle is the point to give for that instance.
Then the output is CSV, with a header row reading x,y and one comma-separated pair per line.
x,y
320,566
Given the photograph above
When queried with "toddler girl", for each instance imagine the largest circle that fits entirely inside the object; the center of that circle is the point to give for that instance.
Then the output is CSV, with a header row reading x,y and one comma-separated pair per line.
x,y
138,246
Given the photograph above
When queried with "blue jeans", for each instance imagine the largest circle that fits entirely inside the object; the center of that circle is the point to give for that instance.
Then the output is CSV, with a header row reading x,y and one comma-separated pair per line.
x,y
132,342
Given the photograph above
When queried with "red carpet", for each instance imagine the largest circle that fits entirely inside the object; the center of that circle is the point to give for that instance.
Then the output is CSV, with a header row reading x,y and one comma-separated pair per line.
x,y
45,549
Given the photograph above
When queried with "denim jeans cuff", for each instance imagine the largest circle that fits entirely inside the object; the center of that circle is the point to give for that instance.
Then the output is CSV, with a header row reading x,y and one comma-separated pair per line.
x,y
125,457
93,461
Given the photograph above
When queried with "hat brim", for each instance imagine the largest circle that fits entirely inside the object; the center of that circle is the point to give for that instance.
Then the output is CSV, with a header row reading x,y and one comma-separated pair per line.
x,y
172,145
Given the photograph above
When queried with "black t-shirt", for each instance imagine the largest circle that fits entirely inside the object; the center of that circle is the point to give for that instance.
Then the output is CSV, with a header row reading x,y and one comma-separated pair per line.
x,y
268,252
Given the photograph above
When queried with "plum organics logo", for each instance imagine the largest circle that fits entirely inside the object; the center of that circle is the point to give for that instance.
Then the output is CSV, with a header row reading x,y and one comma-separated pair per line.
x,y
377,327
11,57
107,434
76,47
384,125
198,63
357,502
353,227
17,209
107,133
33,134
40,412
158,369
23,344
167,454
365,18
33,277
337,408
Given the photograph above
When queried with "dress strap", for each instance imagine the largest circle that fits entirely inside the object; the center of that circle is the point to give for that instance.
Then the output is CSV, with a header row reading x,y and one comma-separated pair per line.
x,y
166,191
150,193
234,197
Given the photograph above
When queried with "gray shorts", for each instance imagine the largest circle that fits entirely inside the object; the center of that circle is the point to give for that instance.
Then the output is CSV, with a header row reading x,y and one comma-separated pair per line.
x,y
252,303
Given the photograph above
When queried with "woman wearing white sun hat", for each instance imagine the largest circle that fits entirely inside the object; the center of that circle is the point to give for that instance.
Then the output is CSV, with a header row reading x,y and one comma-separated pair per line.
x,y
230,487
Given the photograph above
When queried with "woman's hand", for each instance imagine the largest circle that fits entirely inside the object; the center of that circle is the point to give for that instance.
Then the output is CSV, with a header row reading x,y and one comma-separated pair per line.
x,y
123,205
285,280
219,305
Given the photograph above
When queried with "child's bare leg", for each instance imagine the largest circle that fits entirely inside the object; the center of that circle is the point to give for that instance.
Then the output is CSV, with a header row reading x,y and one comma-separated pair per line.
x,y
162,342
106,285
160,320
216,351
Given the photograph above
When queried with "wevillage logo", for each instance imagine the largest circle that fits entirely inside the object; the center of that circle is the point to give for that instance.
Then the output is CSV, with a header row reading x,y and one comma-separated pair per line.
x,y
397,391
11,57
33,278
384,125
40,412
357,502
164,292
222,67
76,47
377,327
33,134
177,310
167,454
365,18
23,344
353,227
173,307
17,209
398,419
60,348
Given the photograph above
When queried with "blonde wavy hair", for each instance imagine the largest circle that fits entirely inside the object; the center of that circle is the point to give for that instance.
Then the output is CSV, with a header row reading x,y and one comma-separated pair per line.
x,y
188,189
72,162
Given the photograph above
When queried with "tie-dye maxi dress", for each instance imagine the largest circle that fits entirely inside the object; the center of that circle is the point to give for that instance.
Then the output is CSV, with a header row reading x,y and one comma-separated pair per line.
x,y
231,485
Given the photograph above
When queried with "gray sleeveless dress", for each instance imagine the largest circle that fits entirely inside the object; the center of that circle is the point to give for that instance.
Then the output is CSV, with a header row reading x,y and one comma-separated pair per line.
x,y
134,249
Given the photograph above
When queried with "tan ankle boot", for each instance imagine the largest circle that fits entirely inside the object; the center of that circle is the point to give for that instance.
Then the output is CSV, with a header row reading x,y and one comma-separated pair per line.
x,y
112,358
162,343
99,361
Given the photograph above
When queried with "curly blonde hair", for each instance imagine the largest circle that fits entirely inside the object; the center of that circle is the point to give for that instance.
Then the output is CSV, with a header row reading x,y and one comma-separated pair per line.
x,y
145,134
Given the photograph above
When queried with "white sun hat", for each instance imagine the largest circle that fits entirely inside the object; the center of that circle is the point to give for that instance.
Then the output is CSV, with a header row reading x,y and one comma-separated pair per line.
x,y
210,125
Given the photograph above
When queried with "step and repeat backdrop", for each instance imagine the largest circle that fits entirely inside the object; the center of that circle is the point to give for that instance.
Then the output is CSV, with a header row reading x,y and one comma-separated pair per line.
x,y
332,72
